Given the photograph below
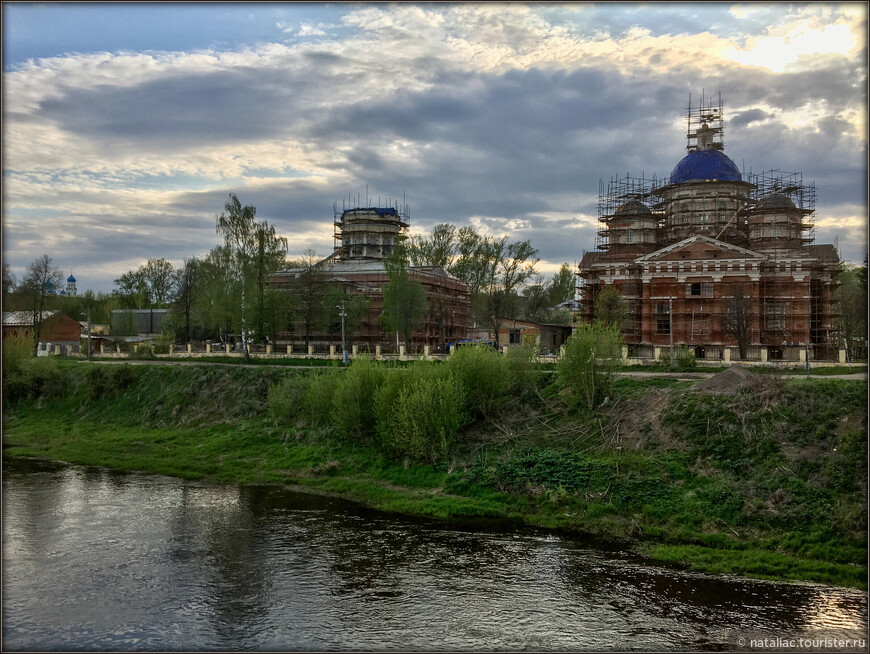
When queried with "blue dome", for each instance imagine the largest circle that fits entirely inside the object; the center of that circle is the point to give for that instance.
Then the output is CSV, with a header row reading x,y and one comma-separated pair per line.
x,y
703,165
71,279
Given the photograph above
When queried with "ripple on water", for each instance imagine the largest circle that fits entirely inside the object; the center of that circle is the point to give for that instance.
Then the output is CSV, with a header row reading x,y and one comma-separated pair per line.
x,y
106,561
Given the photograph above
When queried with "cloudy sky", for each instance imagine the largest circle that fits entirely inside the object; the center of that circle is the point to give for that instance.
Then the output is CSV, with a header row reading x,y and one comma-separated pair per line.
x,y
126,125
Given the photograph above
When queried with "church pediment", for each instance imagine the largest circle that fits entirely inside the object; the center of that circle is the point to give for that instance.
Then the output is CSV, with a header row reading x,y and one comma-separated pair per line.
x,y
701,248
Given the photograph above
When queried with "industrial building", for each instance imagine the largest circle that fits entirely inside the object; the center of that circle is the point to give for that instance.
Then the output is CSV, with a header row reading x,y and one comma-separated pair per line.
x,y
681,249
363,237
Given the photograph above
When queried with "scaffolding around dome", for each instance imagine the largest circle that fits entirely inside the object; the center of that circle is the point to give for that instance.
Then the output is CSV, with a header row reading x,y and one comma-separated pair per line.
x,y
676,247
367,232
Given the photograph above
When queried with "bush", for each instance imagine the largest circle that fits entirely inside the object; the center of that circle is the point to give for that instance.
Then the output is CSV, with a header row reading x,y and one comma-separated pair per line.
x,y
685,358
317,400
423,419
591,357
286,398
37,378
522,367
353,398
484,375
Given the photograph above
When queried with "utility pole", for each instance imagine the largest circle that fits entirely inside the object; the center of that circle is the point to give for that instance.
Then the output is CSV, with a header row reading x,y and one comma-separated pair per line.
x,y
89,333
343,314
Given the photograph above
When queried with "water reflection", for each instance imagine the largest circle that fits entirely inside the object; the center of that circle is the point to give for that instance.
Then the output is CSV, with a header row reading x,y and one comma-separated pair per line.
x,y
100,560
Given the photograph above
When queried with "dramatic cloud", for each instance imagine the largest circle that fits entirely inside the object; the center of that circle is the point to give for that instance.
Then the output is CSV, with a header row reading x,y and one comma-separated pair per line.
x,y
500,116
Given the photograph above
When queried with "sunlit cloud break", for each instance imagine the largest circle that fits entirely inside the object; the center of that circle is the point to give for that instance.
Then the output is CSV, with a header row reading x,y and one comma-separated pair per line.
x,y
501,116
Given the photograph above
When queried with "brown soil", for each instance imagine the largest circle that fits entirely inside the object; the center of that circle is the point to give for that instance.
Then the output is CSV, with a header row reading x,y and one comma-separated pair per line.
x,y
730,381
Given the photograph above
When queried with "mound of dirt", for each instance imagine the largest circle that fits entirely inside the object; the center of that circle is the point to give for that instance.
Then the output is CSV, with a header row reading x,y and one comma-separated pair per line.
x,y
728,382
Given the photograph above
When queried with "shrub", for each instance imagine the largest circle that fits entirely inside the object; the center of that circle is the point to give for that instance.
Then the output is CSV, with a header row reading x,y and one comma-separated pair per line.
x,y
522,367
286,398
591,357
163,344
484,376
685,358
353,398
317,400
423,420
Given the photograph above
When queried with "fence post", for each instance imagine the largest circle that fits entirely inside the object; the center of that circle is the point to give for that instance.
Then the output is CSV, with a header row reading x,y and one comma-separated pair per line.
x,y
726,354
311,350
377,351
289,349
227,347
190,348
763,351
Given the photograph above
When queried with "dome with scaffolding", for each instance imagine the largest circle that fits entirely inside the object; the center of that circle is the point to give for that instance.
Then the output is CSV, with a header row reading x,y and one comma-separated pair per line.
x,y
633,207
705,165
776,201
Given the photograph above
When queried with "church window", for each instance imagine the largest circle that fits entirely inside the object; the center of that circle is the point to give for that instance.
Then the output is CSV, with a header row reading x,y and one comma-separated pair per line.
x,y
663,319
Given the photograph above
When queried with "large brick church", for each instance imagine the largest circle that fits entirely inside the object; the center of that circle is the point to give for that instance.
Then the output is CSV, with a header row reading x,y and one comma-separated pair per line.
x,y
679,250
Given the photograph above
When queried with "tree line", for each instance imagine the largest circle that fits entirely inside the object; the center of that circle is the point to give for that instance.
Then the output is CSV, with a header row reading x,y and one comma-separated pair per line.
x,y
225,295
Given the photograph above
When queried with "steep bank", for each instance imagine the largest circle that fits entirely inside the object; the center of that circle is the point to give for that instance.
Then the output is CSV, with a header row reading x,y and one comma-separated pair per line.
x,y
762,478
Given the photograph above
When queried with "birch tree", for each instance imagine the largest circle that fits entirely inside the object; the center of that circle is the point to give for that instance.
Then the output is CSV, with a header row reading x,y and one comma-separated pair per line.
x,y
242,236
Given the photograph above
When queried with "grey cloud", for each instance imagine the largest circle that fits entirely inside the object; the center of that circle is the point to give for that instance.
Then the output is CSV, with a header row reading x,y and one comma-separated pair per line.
x,y
748,117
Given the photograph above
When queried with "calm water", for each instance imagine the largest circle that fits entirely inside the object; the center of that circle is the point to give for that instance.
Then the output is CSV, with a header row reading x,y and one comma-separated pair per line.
x,y
100,560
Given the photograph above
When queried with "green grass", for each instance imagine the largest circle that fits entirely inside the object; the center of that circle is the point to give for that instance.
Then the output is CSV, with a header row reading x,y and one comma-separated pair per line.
x,y
757,563
767,484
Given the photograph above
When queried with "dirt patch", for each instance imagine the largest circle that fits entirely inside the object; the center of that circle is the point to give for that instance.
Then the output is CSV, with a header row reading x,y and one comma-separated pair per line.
x,y
637,422
729,382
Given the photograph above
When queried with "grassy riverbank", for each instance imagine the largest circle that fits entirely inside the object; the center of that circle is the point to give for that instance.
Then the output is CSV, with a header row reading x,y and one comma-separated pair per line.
x,y
766,481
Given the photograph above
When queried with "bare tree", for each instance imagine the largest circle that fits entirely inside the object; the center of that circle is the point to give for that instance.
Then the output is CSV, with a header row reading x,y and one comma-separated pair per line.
x,y
737,318
308,290
185,291
41,280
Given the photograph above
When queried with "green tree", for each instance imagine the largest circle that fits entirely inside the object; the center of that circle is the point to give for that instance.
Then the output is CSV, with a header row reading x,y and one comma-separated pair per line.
x,y
494,271
245,240
217,294
590,360
40,280
404,299
851,299
437,249
132,289
610,306
307,292
514,265
563,286
271,253
160,277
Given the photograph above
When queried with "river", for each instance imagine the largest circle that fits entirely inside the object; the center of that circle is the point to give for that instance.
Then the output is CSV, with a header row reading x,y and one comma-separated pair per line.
x,y
95,559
